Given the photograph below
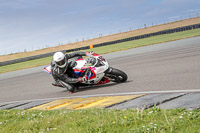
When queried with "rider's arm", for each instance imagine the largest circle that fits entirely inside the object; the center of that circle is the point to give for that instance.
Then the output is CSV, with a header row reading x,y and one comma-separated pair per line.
x,y
67,79
53,71
64,77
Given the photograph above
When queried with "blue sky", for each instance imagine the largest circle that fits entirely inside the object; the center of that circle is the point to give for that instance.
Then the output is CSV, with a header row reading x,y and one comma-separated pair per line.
x,y
33,24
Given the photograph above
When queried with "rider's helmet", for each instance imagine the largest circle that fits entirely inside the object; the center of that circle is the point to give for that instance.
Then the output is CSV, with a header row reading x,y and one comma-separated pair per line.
x,y
60,60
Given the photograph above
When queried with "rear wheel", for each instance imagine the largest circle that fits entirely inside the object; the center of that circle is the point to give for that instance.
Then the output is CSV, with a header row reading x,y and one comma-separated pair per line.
x,y
117,75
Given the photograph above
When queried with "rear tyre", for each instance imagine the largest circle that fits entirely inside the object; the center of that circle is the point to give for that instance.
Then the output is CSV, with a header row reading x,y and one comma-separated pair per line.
x,y
117,75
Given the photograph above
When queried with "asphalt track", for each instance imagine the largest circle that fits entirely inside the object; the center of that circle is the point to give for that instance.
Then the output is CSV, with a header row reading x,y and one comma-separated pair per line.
x,y
166,67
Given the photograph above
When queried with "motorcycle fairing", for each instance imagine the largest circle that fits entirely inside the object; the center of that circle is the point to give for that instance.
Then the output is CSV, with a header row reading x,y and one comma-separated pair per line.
x,y
47,68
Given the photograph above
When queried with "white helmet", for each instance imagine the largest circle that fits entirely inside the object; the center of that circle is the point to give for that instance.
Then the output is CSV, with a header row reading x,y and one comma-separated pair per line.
x,y
60,60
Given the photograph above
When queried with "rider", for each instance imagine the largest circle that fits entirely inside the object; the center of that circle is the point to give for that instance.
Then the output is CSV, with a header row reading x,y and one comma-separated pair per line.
x,y
61,69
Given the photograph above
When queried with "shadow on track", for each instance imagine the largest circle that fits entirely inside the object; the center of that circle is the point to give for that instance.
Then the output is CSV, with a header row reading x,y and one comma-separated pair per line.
x,y
93,87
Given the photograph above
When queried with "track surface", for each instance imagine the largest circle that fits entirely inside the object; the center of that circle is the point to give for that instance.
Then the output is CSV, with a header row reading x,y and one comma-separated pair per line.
x,y
168,66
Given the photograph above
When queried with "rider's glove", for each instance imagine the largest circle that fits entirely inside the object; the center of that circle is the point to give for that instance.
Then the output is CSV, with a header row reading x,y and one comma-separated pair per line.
x,y
83,79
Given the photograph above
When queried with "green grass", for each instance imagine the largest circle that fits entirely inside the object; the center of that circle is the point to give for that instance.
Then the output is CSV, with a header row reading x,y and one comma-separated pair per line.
x,y
109,48
100,121
26,64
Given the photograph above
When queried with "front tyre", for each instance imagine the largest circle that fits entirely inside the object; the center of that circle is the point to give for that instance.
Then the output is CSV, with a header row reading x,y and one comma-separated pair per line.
x,y
117,75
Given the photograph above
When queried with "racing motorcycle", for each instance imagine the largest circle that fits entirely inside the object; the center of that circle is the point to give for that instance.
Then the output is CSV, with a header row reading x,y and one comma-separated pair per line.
x,y
96,68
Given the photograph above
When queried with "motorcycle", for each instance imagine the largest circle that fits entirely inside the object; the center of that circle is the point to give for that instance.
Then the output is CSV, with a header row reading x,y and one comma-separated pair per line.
x,y
96,68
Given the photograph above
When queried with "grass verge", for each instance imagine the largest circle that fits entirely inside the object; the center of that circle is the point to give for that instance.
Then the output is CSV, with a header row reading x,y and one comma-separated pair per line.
x,y
100,120
109,48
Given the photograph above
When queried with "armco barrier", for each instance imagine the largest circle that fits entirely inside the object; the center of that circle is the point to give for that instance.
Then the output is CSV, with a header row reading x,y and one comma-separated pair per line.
x,y
179,29
169,31
27,58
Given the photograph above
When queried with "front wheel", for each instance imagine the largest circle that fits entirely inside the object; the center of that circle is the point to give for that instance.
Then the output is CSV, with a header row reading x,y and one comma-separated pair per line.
x,y
117,75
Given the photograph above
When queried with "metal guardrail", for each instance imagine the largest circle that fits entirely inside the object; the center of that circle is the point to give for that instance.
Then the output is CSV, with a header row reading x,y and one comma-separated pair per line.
x,y
169,31
27,58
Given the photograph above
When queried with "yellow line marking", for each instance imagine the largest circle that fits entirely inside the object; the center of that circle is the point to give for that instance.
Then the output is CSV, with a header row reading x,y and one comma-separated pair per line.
x,y
87,104
52,104
59,105
74,103
82,103
110,101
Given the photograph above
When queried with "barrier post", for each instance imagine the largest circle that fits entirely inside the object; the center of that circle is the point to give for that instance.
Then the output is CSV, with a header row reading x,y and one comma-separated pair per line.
x,y
91,46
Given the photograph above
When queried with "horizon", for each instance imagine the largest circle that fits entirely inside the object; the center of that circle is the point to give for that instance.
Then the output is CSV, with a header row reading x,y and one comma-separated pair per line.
x,y
102,36
34,25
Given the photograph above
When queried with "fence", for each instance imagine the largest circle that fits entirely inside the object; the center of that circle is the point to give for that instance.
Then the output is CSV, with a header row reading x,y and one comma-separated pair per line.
x,y
169,31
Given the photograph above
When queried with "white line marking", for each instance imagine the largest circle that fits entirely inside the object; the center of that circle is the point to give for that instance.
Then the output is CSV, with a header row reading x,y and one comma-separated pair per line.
x,y
112,94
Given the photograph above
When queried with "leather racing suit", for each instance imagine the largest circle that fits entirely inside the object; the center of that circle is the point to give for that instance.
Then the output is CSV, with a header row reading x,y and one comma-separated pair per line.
x,y
64,76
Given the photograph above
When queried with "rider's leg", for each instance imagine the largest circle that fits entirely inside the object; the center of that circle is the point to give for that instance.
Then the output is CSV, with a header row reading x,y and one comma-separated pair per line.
x,y
56,83
68,86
